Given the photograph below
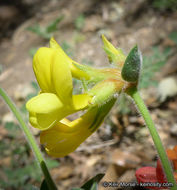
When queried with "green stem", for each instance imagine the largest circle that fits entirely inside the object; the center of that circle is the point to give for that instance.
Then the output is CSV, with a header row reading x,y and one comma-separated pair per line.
x,y
133,92
51,185
84,86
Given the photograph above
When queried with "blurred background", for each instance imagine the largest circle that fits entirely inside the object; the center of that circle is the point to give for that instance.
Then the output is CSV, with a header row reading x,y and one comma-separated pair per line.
x,y
123,143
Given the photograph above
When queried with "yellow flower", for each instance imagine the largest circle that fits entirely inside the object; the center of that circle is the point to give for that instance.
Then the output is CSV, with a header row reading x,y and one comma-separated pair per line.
x,y
66,136
55,80
48,110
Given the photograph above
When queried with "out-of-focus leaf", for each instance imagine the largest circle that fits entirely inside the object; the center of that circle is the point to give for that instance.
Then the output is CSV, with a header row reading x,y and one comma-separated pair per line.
x,y
52,163
92,184
151,65
52,27
46,32
44,185
34,188
173,36
79,22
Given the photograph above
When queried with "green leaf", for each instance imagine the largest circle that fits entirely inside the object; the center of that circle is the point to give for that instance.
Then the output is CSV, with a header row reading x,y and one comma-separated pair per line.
x,y
79,22
34,188
52,27
151,65
132,65
44,185
32,51
173,36
92,184
52,163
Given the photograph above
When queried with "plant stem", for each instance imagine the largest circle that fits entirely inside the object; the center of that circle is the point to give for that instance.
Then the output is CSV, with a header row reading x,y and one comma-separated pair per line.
x,y
51,185
133,92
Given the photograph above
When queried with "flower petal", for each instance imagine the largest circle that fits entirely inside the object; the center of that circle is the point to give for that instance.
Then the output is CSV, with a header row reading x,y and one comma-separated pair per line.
x,y
45,110
76,72
161,177
147,175
81,101
63,138
62,79
44,103
42,68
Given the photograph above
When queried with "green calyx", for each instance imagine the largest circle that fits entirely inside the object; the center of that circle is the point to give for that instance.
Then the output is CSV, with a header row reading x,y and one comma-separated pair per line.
x,y
102,92
132,66
115,55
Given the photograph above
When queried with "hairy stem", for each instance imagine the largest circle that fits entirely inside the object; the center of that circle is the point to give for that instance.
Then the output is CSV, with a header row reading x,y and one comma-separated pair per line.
x,y
51,185
133,92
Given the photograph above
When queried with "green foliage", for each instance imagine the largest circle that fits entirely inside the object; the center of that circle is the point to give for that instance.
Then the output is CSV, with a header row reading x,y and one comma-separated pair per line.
x,y
36,90
152,64
32,51
12,128
92,184
165,5
46,32
51,163
131,69
21,170
23,109
44,185
67,48
173,36
87,62
79,22
18,177
19,174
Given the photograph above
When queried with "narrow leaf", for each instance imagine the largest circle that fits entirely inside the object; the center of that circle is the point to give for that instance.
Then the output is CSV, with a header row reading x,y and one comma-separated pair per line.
x,y
92,184
44,185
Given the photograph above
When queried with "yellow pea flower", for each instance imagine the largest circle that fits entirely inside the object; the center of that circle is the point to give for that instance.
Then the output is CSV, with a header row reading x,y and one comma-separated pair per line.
x,y
55,100
48,110
66,136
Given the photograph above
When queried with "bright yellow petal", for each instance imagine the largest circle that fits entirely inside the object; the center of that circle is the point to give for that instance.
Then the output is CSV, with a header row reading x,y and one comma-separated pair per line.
x,y
42,68
33,119
44,103
45,110
55,45
63,139
46,121
62,78
81,101
77,73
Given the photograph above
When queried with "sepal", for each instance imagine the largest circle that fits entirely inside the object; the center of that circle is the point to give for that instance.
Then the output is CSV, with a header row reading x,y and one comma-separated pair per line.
x,y
115,56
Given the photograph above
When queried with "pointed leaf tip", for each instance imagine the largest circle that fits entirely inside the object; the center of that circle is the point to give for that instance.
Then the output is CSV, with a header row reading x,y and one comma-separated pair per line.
x,y
132,66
